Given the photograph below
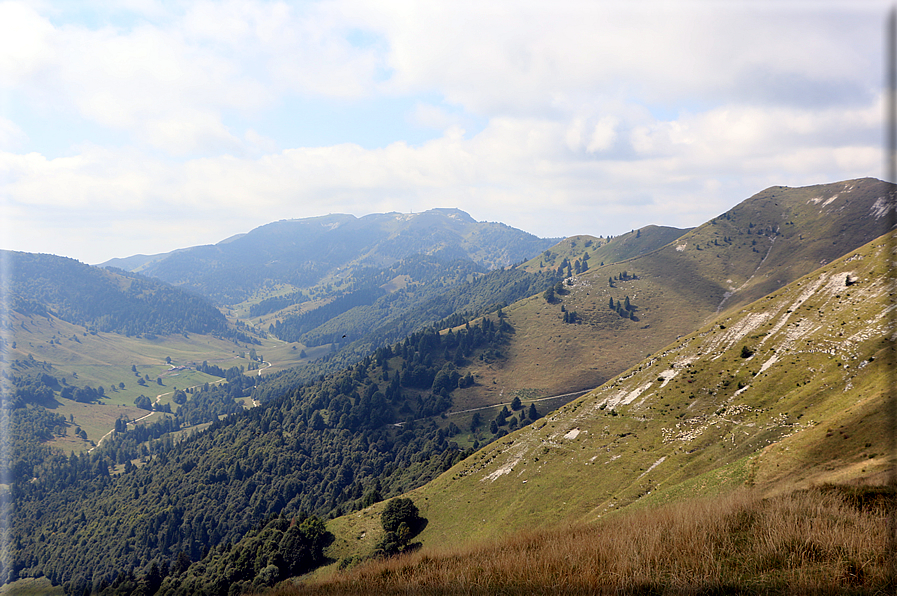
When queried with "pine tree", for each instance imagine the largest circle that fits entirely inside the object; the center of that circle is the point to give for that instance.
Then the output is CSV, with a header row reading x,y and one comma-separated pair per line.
x,y
533,413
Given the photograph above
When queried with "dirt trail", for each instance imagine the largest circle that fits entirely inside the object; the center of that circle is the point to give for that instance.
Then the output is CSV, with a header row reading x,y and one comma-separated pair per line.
x,y
575,393
158,399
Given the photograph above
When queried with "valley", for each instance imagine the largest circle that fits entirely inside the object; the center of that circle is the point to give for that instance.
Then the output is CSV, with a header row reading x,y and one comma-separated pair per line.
x,y
547,384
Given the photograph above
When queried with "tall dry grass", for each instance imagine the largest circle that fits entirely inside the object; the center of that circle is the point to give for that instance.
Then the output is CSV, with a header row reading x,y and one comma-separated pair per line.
x,y
827,540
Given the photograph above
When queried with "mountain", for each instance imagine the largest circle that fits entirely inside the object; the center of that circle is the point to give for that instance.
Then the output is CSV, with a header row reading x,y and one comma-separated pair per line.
x,y
324,445
315,253
82,346
786,393
322,449
577,340
102,299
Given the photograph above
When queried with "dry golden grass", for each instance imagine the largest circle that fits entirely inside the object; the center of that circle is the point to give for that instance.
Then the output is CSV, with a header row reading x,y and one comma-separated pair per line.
x,y
826,540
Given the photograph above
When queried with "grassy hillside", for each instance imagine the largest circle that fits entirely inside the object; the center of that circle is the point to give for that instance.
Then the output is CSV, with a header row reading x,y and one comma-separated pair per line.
x,y
784,394
828,540
603,250
760,245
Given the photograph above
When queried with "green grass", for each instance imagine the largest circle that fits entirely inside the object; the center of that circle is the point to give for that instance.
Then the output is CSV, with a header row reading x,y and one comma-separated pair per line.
x,y
812,416
31,587
106,360
831,540
680,286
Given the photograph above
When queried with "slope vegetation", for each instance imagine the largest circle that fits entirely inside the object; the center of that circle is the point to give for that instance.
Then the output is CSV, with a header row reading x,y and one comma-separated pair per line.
x,y
602,321
786,393
563,256
346,441
827,540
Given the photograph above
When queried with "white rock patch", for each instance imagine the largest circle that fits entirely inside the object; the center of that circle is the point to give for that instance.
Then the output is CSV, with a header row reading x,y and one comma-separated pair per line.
x,y
505,469
667,376
654,465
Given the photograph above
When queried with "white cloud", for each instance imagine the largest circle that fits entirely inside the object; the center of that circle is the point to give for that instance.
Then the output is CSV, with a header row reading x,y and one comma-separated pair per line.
x,y
11,136
25,43
603,135
526,56
587,114
429,116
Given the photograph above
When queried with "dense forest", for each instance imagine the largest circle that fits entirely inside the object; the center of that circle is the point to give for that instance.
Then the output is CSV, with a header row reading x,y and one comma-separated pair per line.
x,y
320,450
348,315
107,301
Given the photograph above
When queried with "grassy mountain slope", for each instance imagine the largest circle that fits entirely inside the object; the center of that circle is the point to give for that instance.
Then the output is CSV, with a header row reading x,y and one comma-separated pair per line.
x,y
827,540
760,245
357,331
117,335
786,393
603,250
106,360
670,291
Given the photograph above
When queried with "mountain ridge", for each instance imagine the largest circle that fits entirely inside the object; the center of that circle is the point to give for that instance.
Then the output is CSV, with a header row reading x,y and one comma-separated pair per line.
x,y
751,250
784,394
321,251
743,252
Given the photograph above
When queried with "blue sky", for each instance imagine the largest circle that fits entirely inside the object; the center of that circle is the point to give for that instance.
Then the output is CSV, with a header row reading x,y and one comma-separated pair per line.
x,y
142,126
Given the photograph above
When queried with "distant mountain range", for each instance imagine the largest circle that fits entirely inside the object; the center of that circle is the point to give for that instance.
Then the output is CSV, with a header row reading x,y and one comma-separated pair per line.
x,y
320,254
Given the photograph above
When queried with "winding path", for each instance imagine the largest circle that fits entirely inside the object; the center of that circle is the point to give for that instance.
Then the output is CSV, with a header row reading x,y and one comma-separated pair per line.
x,y
159,398
575,393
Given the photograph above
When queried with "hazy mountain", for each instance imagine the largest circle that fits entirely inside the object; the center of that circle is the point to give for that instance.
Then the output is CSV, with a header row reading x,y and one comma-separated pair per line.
x,y
102,299
327,250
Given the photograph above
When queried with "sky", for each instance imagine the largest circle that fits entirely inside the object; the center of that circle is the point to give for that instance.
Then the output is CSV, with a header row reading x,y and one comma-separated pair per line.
x,y
143,126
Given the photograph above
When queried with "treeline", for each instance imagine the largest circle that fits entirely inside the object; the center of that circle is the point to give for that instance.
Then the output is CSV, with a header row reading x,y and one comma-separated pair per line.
x,y
323,449
275,303
279,547
403,312
107,300
283,547
216,371
293,327
355,313
30,382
